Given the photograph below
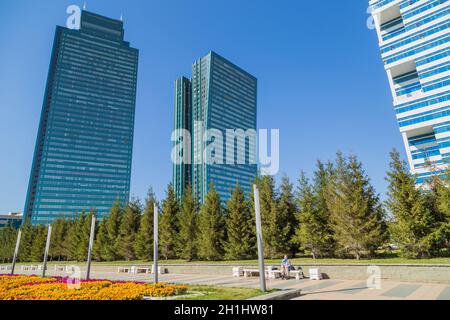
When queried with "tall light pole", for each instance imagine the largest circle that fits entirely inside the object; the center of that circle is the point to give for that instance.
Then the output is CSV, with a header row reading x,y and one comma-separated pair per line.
x,y
16,251
259,237
47,248
91,246
155,242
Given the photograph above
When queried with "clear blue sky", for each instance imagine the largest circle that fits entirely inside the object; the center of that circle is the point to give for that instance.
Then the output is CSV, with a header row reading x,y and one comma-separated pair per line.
x,y
321,79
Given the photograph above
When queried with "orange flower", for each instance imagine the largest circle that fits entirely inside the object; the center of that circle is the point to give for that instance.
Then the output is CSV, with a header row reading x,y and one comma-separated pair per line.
x,y
37,288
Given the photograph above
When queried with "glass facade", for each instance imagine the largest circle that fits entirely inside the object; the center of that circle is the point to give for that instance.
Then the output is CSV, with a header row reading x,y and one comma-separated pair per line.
x,y
83,153
183,121
12,219
414,41
223,97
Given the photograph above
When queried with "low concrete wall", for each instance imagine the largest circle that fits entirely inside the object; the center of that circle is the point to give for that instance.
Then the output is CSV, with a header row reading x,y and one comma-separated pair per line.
x,y
406,273
403,273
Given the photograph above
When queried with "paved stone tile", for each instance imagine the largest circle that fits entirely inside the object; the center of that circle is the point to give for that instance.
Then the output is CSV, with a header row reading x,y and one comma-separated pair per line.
x,y
320,285
285,284
214,280
375,294
427,292
312,290
174,277
333,292
445,294
188,279
354,289
230,283
402,290
339,292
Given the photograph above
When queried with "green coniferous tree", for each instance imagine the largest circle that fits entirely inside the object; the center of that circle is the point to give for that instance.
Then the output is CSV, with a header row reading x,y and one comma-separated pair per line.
x,y
59,230
443,203
84,231
211,230
8,237
188,223
322,176
71,239
144,237
128,228
38,243
313,234
356,211
73,244
169,226
3,245
268,206
240,236
112,229
285,219
100,252
436,193
444,195
77,240
413,224
26,242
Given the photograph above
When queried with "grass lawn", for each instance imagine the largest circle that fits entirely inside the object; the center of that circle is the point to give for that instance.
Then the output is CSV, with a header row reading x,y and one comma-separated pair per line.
x,y
297,261
222,293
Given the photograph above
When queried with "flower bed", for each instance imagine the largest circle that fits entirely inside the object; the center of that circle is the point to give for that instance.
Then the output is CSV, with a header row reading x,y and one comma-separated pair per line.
x,y
38,288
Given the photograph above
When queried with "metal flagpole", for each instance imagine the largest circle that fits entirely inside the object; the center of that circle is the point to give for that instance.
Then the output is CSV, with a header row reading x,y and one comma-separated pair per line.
x,y
155,242
262,274
16,252
47,248
91,245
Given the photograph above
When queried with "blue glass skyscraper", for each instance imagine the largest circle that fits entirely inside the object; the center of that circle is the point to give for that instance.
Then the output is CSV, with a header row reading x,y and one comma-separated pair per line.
x,y
182,120
223,99
414,40
83,153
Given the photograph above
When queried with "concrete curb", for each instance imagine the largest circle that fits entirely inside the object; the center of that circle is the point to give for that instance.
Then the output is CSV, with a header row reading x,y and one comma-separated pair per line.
x,y
279,295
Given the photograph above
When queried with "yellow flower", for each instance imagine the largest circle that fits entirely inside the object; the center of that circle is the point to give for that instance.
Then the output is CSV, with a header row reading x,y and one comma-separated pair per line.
x,y
38,288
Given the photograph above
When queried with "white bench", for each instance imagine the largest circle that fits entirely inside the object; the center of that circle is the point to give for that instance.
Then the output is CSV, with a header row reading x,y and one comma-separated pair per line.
x,y
124,270
269,273
60,268
315,274
298,274
161,270
70,269
250,272
238,271
273,273
139,270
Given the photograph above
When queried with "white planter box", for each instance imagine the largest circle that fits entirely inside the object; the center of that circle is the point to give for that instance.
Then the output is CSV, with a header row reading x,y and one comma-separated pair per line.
x,y
238,272
60,268
315,274
161,270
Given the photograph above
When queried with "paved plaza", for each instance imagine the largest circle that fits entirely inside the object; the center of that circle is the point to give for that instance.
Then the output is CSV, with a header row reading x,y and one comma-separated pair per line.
x,y
311,290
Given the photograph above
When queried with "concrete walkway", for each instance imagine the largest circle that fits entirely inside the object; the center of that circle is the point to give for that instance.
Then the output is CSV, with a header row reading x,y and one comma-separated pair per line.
x,y
311,290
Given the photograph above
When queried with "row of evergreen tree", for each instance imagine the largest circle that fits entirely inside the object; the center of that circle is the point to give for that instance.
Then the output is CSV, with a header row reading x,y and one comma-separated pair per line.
x,y
335,214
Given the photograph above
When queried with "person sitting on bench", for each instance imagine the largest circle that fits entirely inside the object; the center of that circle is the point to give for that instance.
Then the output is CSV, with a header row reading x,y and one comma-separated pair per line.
x,y
285,268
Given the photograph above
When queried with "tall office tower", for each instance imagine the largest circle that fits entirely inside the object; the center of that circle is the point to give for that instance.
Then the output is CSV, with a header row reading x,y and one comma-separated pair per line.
x,y
222,117
183,121
414,40
82,159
